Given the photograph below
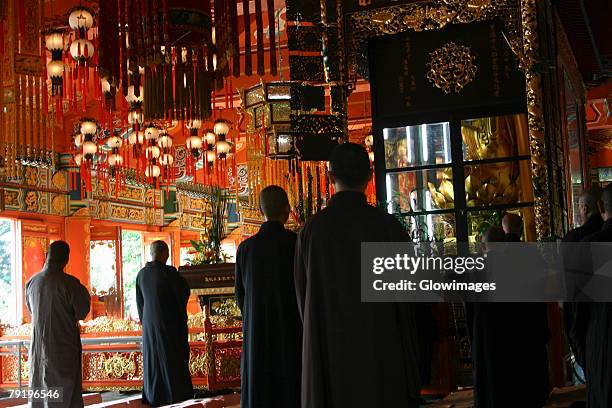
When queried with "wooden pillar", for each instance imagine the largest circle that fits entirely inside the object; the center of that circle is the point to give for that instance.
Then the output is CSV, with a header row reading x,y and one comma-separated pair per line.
x,y
78,236
174,231
33,239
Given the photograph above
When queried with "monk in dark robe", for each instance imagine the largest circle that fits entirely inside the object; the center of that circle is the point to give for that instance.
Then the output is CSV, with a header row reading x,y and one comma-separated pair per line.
x,y
354,354
508,343
265,292
596,334
56,301
591,222
161,297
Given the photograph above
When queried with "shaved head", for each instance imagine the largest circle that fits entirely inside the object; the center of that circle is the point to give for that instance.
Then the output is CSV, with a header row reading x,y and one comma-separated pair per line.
x,y
349,166
512,224
59,253
587,203
494,234
274,204
606,202
159,251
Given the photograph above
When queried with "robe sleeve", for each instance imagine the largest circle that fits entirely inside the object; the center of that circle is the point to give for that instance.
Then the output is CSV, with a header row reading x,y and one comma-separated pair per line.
x,y
186,290
299,271
239,286
398,233
182,288
81,301
139,298
27,297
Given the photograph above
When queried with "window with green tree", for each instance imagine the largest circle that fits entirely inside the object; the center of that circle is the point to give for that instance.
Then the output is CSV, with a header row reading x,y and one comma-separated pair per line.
x,y
8,300
132,253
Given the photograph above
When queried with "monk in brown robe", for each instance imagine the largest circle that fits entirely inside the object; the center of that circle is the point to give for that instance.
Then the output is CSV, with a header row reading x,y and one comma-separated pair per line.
x,y
354,354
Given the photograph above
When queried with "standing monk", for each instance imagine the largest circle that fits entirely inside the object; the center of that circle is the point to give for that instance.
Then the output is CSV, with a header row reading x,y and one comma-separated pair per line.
x,y
56,301
508,340
265,291
596,334
161,297
354,354
576,269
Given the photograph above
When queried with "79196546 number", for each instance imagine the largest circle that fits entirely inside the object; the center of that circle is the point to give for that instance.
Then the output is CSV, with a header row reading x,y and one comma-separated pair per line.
x,y
48,394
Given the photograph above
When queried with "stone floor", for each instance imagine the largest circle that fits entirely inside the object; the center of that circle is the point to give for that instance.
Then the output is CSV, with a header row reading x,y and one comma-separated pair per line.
x,y
568,397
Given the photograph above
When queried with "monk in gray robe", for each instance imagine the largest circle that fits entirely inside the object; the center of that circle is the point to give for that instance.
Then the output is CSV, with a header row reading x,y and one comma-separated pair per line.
x,y
161,297
56,301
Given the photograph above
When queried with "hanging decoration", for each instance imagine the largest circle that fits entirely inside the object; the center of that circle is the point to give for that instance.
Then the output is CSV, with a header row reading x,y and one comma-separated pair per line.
x,y
81,49
54,42
86,136
166,158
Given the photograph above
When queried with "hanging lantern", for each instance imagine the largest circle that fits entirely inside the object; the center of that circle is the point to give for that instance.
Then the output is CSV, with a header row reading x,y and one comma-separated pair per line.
x,y
151,133
88,127
195,125
134,101
193,143
108,90
223,148
210,157
89,149
81,50
152,152
221,128
210,138
152,171
78,159
106,86
114,142
135,117
80,20
55,70
54,41
165,141
166,160
136,138
115,160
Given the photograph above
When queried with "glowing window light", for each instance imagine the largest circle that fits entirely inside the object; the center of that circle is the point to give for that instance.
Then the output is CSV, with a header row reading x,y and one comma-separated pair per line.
x,y
424,149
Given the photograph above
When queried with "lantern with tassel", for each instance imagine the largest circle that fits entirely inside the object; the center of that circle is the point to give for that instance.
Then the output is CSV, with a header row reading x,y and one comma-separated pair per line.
x,y
221,130
54,41
81,50
80,20
85,140
108,90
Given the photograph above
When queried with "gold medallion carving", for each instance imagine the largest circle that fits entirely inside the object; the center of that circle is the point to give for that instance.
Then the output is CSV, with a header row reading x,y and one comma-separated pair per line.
x,y
451,67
